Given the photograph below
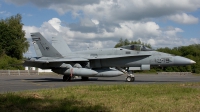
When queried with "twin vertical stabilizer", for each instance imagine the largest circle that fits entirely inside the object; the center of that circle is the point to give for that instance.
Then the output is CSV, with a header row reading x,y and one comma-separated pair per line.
x,y
60,45
46,49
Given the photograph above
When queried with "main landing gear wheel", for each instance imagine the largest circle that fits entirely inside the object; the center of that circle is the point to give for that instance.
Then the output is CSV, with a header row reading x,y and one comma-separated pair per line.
x,y
84,78
66,78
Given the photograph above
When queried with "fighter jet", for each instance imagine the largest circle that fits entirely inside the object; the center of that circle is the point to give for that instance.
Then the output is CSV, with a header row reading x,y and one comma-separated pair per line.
x,y
108,62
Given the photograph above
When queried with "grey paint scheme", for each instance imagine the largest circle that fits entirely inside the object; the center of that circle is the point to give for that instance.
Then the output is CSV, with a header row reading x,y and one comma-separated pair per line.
x,y
44,46
37,50
99,59
60,45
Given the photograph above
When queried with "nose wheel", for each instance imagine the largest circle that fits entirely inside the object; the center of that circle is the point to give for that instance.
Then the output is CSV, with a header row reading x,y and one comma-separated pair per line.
x,y
130,78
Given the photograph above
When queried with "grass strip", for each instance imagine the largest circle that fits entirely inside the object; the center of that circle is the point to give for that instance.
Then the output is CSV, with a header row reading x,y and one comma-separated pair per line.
x,y
181,97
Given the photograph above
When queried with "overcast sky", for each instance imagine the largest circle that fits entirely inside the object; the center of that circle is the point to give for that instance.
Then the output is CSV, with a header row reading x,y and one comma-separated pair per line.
x,y
101,23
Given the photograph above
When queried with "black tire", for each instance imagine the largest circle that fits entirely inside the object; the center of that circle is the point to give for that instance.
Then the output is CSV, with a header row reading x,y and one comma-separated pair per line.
x,y
69,78
84,78
133,79
66,78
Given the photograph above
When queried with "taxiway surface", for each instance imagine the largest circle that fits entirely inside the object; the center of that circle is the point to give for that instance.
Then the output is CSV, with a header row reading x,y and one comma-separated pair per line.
x,y
33,82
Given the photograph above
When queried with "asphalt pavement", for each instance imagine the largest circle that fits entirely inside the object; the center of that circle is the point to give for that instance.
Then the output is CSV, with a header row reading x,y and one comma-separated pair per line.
x,y
35,82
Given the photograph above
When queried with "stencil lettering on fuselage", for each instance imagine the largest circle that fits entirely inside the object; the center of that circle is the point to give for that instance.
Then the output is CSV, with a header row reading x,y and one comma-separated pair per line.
x,y
163,60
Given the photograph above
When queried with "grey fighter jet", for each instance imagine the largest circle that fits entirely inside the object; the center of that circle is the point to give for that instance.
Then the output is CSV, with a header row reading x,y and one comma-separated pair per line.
x,y
109,62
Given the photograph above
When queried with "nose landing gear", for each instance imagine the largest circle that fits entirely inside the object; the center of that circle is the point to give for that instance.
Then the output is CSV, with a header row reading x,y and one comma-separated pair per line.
x,y
130,77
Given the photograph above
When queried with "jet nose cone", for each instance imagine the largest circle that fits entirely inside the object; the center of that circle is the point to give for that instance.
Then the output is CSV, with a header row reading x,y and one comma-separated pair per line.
x,y
192,62
178,60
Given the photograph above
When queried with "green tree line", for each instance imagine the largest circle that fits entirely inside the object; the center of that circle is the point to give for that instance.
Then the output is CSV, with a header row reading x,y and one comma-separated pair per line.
x,y
12,42
191,52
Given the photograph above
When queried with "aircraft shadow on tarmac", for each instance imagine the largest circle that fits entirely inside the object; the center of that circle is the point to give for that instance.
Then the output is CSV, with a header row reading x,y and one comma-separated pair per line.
x,y
99,80
73,80
159,81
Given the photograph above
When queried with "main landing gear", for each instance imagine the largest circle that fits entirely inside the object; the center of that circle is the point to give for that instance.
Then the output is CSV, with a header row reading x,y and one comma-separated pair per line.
x,y
84,78
66,78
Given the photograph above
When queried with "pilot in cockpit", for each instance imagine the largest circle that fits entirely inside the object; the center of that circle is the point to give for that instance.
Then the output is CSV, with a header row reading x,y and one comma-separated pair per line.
x,y
137,47
132,47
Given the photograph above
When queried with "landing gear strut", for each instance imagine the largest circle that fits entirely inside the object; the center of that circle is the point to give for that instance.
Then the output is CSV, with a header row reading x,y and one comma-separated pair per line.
x,y
66,78
130,77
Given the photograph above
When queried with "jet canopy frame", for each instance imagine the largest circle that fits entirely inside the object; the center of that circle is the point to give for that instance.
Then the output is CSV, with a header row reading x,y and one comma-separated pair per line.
x,y
137,47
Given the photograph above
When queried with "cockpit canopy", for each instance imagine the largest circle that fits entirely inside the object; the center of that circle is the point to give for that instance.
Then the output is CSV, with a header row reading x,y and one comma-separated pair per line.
x,y
137,47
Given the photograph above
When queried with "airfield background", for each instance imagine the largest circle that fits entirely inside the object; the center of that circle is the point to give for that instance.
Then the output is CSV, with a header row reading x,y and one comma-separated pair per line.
x,y
13,44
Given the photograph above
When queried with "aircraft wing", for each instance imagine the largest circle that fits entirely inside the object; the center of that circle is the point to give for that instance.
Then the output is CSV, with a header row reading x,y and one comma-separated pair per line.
x,y
57,60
